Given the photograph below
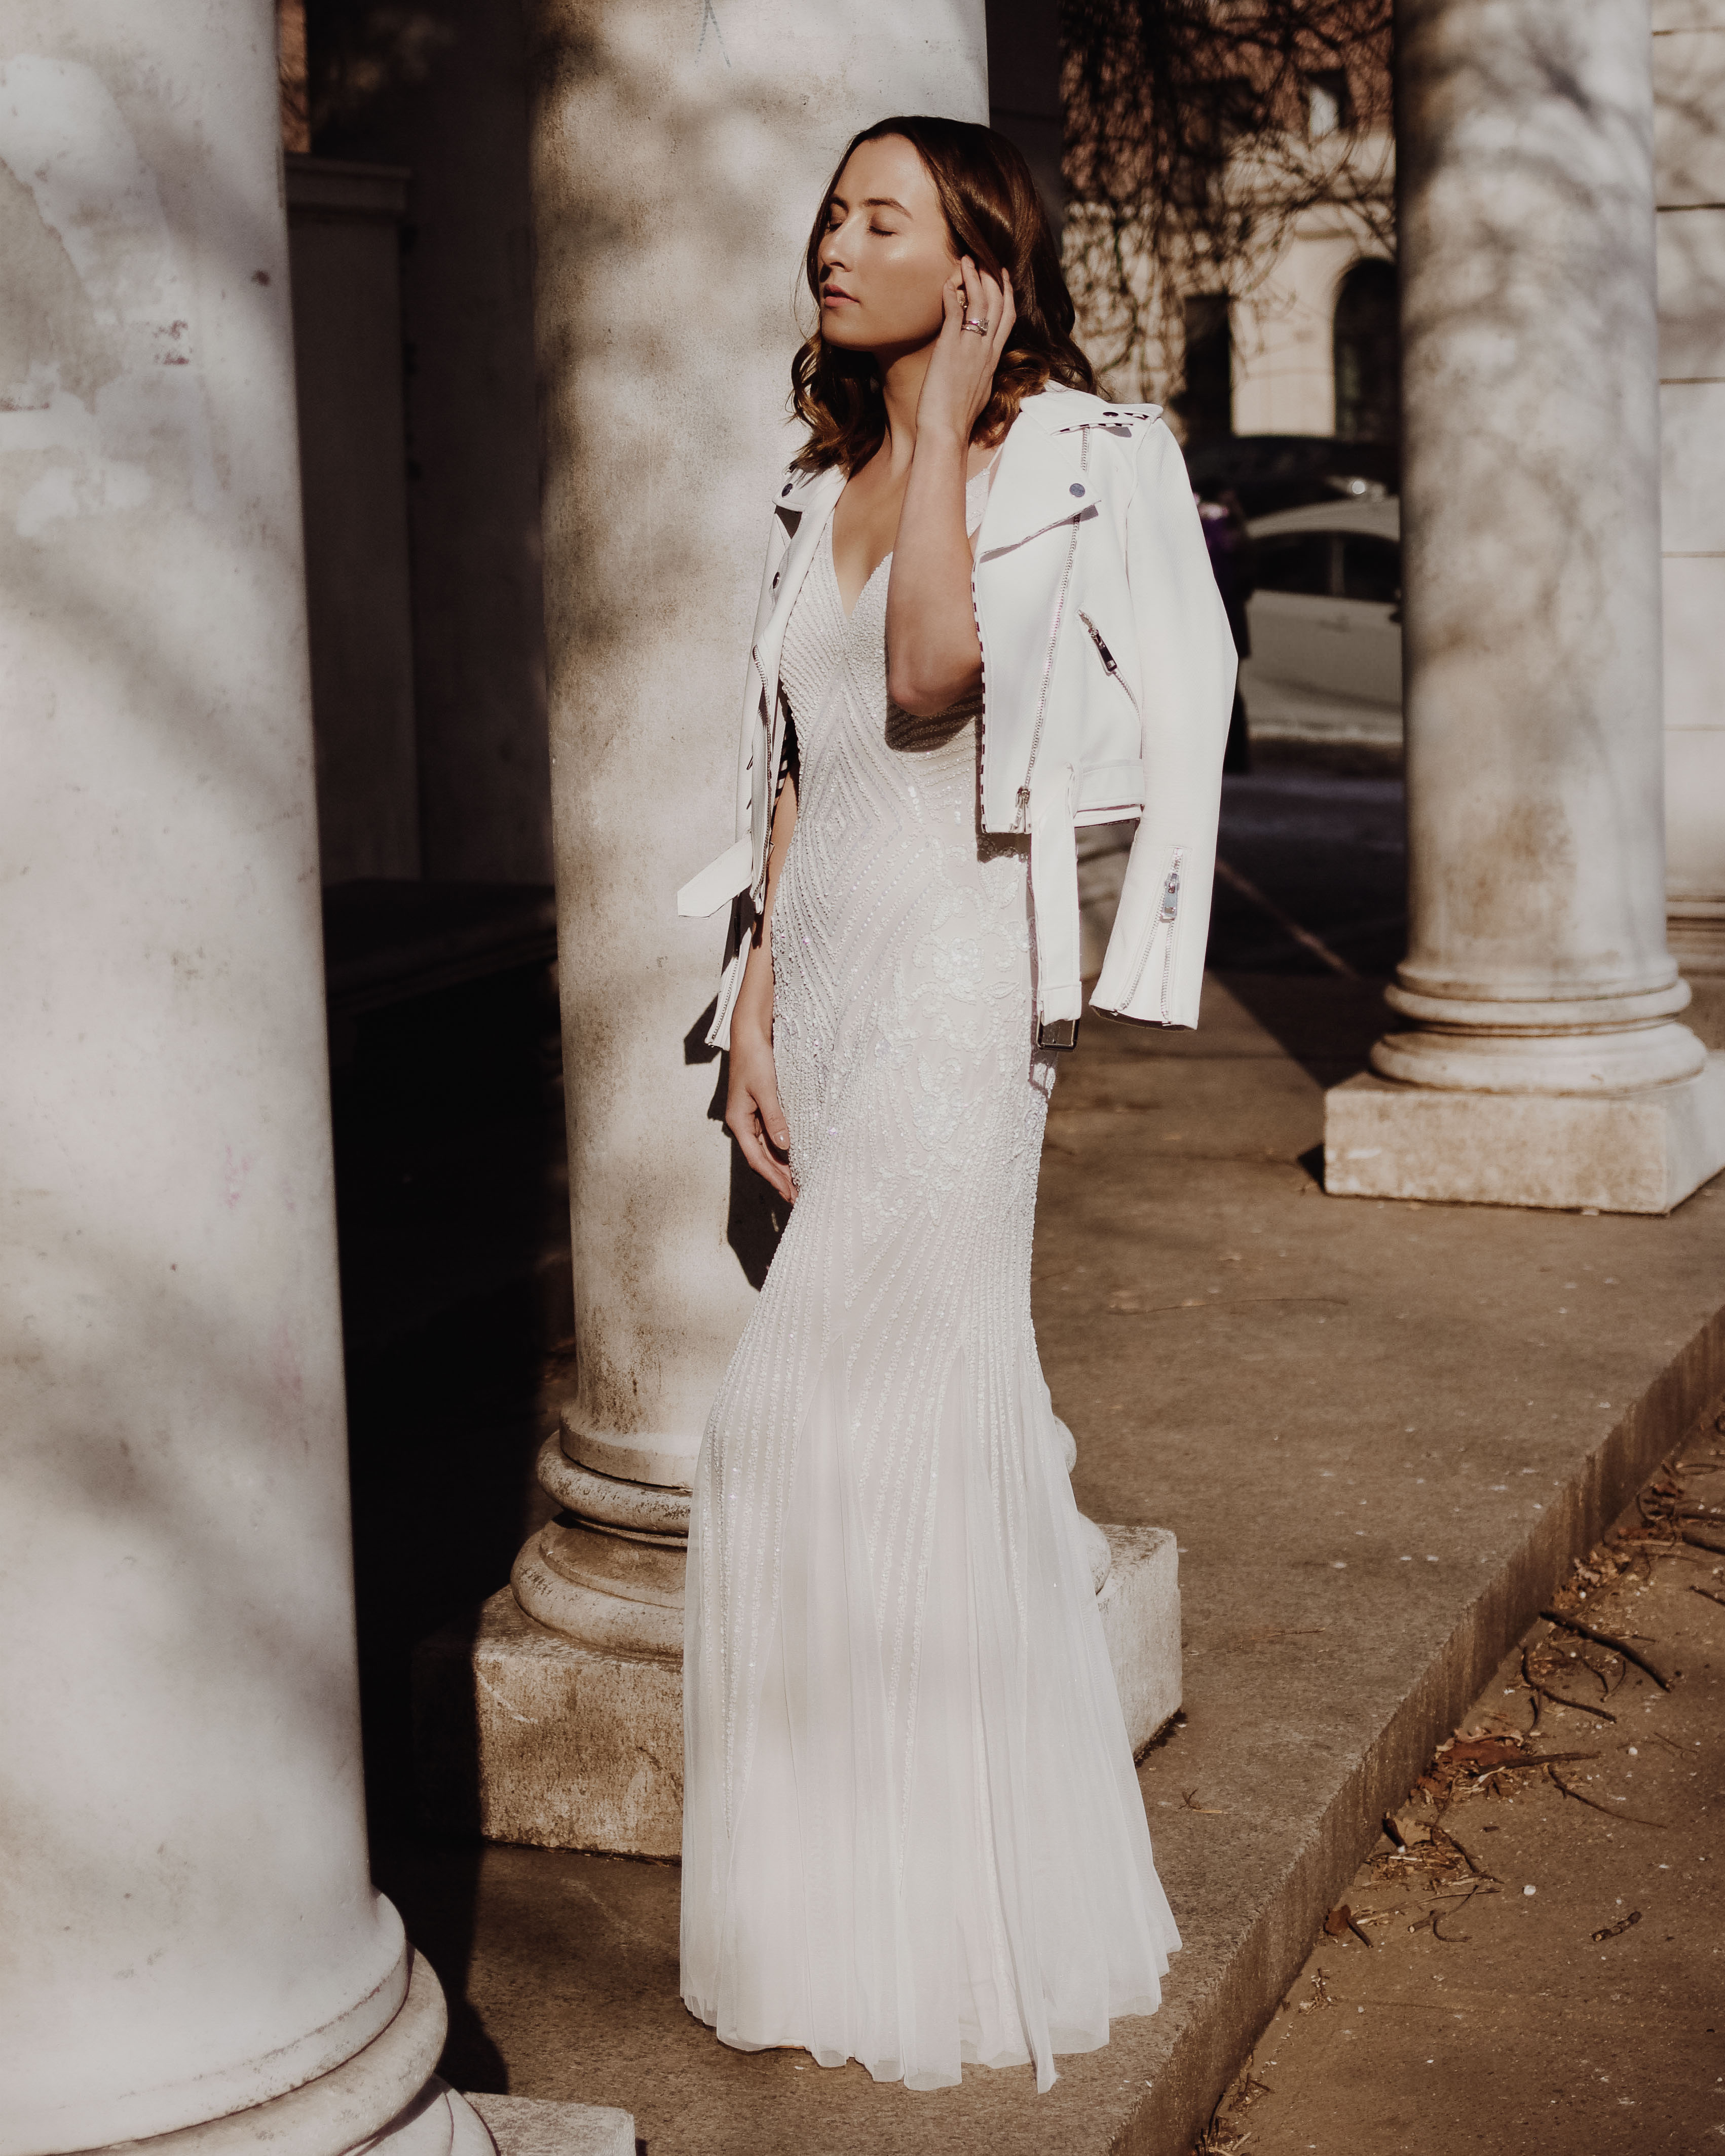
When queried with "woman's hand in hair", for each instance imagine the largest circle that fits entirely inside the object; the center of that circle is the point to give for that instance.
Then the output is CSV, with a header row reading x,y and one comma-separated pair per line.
x,y
933,660
960,380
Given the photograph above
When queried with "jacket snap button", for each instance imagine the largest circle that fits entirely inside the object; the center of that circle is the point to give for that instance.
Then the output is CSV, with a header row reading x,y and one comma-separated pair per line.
x,y
786,488
1075,488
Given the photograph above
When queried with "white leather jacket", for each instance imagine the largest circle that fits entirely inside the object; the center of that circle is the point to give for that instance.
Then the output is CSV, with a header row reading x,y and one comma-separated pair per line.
x,y
1107,679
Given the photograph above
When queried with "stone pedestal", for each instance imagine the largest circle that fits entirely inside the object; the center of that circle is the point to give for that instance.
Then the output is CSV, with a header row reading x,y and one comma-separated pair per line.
x,y
1615,1152
1537,976
521,2126
522,1735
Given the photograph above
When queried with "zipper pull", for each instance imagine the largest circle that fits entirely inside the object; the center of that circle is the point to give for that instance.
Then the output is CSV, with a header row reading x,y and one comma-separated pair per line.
x,y
1170,895
1021,817
1096,637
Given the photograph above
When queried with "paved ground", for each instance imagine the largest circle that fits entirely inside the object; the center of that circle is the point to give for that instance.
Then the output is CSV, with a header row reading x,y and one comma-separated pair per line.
x,y
1382,1431
1544,1970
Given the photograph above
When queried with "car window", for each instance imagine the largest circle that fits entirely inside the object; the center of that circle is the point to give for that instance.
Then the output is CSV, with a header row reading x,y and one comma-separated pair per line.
x,y
1371,569
1294,561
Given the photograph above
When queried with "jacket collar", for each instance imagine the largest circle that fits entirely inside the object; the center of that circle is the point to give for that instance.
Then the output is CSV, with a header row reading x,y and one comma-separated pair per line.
x,y
804,507
1041,461
1042,482
1058,410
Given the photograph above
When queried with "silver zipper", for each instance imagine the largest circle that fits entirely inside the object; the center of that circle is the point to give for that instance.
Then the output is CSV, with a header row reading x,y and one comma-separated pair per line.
x,y
1166,914
1169,913
1110,664
1021,817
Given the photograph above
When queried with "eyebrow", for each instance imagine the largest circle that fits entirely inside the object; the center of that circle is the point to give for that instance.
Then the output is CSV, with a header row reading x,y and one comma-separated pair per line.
x,y
871,202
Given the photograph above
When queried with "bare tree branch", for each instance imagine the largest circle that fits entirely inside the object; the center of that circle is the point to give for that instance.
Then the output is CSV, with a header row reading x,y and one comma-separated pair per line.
x,y
1198,134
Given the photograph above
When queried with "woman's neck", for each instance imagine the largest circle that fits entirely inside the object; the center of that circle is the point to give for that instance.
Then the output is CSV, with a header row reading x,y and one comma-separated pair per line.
x,y
901,379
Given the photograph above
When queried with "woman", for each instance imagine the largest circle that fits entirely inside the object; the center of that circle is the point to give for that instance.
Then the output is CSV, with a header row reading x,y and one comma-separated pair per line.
x,y
912,1831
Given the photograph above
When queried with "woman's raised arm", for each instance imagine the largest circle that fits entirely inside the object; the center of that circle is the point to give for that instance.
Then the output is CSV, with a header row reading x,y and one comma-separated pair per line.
x,y
933,660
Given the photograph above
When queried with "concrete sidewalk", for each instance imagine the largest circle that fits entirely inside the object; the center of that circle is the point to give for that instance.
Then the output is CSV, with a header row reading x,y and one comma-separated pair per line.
x,y
1380,1430
1538,1967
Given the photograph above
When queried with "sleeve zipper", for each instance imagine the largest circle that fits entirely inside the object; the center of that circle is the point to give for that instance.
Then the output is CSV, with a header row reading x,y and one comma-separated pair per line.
x,y
1167,917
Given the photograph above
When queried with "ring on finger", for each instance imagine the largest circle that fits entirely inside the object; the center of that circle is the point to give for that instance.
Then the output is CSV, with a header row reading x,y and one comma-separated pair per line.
x,y
971,323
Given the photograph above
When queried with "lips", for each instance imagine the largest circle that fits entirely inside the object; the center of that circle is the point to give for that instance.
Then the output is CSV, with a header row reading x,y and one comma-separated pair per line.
x,y
831,293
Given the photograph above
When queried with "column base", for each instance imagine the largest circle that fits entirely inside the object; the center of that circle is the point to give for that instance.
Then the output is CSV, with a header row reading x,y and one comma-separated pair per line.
x,y
1641,1151
522,1735
387,2100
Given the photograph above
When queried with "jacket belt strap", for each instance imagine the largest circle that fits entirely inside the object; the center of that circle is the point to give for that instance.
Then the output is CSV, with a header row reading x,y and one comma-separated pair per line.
x,y
719,880
1053,898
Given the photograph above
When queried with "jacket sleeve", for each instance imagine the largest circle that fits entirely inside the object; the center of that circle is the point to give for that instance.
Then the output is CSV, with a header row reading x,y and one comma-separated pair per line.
x,y
729,874
1154,968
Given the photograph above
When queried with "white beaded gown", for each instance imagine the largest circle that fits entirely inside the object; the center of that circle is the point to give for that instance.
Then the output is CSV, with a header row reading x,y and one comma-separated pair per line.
x,y
912,1833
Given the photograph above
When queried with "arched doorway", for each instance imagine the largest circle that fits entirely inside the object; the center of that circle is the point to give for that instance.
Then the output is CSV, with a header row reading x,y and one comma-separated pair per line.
x,y
1367,354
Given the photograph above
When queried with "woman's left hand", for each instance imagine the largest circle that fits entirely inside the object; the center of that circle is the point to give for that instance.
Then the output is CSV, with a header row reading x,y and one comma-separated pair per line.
x,y
960,378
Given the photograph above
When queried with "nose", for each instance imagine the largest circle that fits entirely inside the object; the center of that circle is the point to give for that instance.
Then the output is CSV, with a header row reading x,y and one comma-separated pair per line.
x,y
833,250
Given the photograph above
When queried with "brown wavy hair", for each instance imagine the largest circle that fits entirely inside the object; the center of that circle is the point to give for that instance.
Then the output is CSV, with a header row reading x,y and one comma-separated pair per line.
x,y
994,215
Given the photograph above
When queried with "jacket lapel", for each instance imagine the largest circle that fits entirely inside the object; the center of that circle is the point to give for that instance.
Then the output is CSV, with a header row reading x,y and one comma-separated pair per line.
x,y
1041,483
1033,489
811,506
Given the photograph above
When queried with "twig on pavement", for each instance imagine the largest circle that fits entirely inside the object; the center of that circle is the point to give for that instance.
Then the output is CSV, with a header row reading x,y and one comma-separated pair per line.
x,y
1608,1640
1609,1810
1558,1699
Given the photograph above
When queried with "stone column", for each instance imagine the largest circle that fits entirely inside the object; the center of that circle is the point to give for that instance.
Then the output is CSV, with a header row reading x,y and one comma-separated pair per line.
x,y
190,1928
1689,163
1542,1060
678,162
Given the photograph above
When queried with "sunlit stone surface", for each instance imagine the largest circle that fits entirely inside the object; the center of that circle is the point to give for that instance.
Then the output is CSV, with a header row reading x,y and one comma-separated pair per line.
x,y
192,1949
1537,964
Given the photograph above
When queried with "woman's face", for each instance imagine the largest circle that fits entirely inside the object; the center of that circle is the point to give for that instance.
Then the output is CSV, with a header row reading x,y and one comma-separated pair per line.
x,y
886,252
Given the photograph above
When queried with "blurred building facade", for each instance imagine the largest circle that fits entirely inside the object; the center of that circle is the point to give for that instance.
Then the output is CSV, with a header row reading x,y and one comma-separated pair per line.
x,y
1307,342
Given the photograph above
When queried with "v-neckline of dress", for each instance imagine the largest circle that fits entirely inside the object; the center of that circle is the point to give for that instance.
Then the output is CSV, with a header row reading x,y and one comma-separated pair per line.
x,y
838,589
849,615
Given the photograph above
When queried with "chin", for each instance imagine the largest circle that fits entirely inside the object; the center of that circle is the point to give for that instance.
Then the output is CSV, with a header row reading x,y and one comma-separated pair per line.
x,y
842,335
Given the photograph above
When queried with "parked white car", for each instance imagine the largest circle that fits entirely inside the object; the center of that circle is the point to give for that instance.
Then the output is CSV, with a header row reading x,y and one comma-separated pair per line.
x,y
1325,617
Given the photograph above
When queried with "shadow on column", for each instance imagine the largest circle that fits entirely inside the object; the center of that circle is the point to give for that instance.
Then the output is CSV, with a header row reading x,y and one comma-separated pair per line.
x,y
453,1212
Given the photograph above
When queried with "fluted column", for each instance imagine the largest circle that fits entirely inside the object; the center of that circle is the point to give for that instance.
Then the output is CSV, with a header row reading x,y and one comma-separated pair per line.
x,y
1540,1057
190,1930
